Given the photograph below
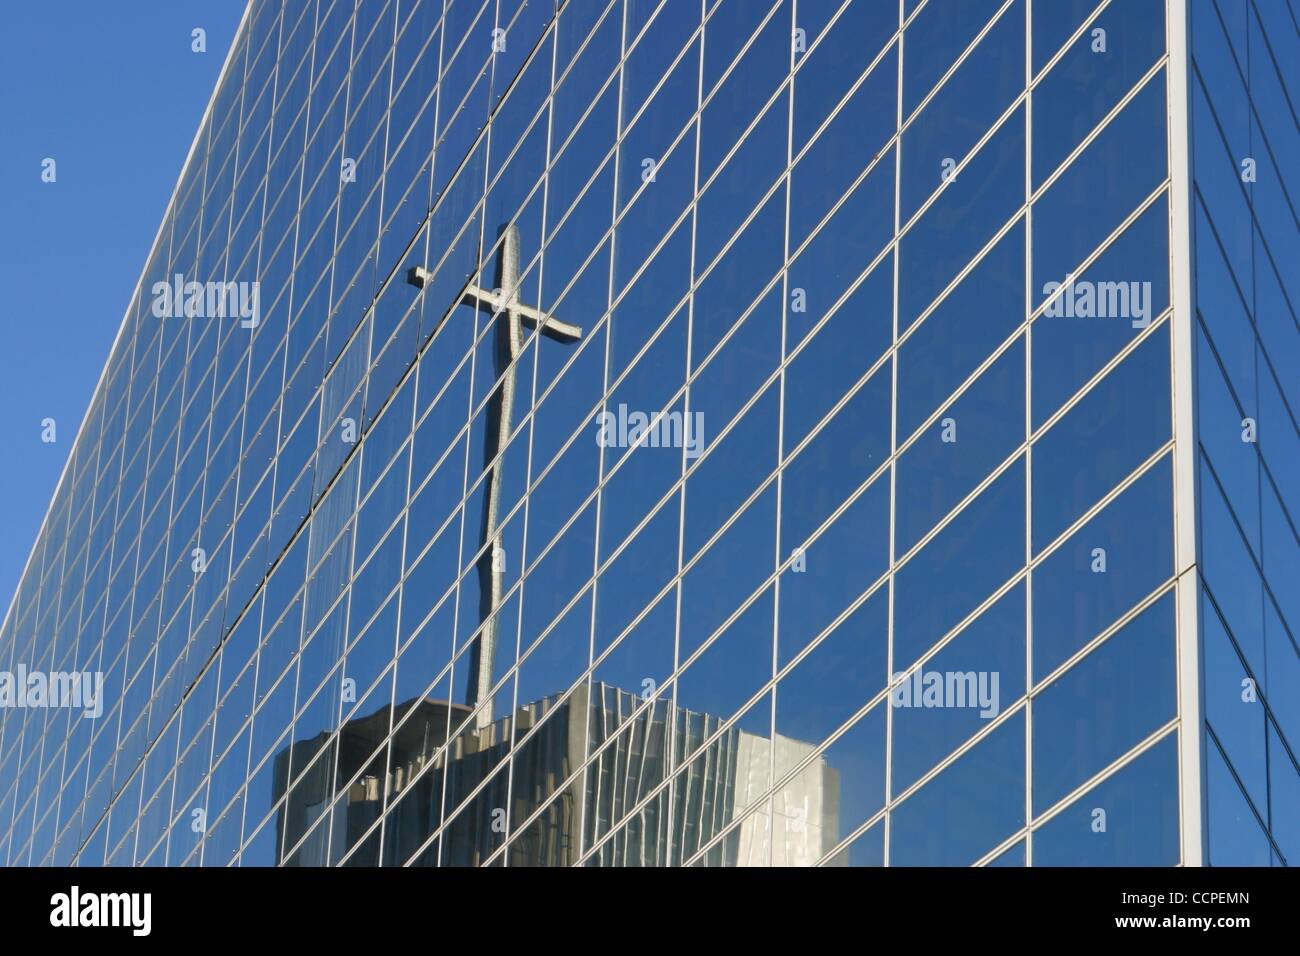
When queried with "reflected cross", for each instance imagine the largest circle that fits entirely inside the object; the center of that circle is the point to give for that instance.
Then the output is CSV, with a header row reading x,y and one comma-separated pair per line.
x,y
503,302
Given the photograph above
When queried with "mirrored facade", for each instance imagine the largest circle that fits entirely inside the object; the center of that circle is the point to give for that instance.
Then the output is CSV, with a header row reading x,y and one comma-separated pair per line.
x,y
693,433
1243,95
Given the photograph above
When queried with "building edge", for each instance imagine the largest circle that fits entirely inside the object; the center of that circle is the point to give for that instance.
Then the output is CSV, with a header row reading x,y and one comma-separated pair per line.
x,y
126,315
1191,725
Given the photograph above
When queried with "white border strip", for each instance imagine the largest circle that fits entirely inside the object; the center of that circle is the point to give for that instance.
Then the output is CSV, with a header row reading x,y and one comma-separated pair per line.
x,y
1191,735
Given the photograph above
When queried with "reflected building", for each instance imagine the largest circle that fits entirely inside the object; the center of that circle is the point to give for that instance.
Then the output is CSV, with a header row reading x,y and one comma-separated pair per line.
x,y
549,790
695,432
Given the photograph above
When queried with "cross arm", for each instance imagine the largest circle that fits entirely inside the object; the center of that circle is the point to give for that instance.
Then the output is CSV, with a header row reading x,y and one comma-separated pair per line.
x,y
497,302
485,298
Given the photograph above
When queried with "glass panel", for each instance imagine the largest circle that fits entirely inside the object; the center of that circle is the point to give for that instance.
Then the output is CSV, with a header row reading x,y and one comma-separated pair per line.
x,y
969,808
1129,819
1104,704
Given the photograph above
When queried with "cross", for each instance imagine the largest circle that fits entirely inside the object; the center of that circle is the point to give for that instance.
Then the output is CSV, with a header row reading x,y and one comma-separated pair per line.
x,y
504,301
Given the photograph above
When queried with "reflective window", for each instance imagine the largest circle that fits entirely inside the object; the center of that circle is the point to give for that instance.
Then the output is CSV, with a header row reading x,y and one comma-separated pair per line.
x,y
969,808
1111,430
1104,704
981,674
961,566
1105,568
1129,819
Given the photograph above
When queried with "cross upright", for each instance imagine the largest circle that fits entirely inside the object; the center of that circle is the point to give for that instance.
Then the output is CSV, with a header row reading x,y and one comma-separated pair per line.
x,y
513,314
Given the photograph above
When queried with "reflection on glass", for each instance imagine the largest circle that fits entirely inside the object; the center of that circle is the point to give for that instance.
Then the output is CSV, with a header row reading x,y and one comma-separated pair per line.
x,y
416,782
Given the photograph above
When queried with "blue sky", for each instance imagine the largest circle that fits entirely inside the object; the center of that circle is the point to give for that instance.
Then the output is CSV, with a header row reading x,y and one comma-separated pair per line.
x,y
113,93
